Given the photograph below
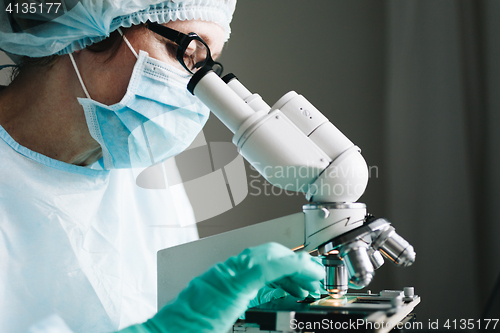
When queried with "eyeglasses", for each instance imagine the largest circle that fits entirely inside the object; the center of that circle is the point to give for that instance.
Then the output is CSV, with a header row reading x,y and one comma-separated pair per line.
x,y
192,51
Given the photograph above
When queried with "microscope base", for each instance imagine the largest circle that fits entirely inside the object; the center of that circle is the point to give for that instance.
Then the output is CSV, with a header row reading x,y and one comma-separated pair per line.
x,y
354,312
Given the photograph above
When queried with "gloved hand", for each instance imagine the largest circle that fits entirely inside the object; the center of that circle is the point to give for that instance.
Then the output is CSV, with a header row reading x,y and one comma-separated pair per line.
x,y
266,294
213,301
275,290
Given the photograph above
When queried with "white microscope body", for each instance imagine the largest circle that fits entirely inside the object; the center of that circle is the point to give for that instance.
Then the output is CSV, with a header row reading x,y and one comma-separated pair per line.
x,y
295,147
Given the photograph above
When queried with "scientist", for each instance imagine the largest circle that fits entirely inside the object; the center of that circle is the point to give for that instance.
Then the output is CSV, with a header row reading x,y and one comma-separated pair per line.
x,y
100,92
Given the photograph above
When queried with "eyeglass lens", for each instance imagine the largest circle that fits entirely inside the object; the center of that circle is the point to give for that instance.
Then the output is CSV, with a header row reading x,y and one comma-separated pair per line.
x,y
195,55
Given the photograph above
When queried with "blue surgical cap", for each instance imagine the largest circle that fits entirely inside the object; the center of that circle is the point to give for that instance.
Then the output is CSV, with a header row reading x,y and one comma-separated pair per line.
x,y
42,31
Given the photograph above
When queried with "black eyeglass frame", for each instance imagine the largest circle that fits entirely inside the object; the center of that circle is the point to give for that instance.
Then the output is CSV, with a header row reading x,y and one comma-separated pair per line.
x,y
182,41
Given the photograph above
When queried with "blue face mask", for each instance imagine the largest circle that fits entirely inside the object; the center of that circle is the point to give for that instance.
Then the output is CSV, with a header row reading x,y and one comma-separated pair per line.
x,y
156,119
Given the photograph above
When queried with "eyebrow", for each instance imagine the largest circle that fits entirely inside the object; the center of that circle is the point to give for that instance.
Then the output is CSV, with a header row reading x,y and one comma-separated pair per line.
x,y
206,38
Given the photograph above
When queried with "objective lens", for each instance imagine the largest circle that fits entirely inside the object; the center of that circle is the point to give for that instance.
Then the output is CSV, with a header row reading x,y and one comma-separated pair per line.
x,y
376,258
358,263
395,248
336,279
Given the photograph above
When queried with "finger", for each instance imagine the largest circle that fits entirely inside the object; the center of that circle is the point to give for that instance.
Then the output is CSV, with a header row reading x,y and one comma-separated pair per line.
x,y
271,262
310,267
292,288
298,288
267,294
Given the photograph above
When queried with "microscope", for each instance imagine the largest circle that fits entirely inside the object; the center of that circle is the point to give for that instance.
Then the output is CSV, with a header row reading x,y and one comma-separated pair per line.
x,y
294,147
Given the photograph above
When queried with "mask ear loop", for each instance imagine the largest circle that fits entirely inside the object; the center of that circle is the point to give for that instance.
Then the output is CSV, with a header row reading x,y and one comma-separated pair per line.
x,y
125,39
78,72
79,76
144,132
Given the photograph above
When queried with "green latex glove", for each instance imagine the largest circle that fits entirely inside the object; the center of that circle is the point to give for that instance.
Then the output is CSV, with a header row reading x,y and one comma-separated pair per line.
x,y
265,295
213,301
275,290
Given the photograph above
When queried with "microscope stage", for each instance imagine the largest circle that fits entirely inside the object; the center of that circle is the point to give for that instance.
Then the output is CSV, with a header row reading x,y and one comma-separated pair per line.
x,y
361,312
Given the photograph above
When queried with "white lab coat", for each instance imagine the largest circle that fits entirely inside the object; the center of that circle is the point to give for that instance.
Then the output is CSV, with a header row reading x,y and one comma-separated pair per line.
x,y
80,243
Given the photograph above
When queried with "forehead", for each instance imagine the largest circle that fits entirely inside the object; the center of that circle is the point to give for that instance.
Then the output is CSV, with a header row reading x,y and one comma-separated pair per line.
x,y
210,32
